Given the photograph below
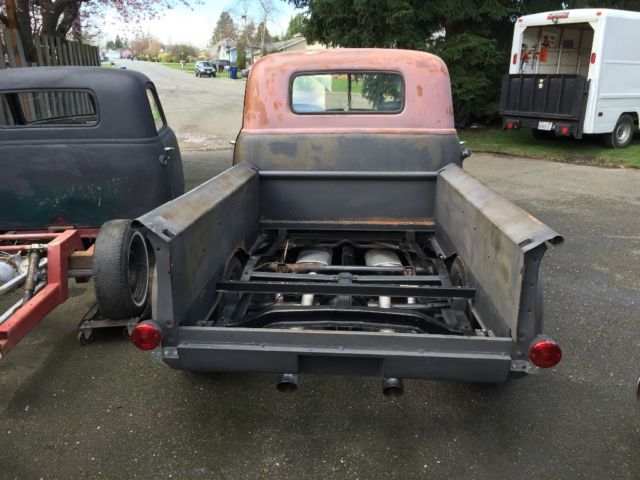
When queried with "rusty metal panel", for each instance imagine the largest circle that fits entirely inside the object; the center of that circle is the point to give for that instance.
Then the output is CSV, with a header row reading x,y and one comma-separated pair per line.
x,y
193,237
501,245
353,151
427,92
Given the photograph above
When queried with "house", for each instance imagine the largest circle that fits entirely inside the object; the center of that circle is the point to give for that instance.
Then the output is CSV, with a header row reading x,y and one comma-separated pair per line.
x,y
226,49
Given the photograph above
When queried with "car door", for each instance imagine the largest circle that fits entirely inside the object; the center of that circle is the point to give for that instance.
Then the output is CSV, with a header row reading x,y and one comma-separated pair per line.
x,y
169,151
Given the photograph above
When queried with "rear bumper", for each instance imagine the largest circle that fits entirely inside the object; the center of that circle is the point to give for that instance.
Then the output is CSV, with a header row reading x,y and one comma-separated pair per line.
x,y
438,357
573,127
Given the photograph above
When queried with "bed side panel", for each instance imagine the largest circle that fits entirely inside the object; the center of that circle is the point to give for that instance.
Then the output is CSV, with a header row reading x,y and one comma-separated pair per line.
x,y
501,245
193,237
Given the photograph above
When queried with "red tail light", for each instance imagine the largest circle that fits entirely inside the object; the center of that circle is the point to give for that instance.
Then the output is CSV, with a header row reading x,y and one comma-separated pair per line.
x,y
146,335
545,353
509,125
515,58
565,131
593,57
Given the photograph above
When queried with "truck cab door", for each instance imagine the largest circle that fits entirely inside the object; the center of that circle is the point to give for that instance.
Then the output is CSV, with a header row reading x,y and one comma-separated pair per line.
x,y
168,152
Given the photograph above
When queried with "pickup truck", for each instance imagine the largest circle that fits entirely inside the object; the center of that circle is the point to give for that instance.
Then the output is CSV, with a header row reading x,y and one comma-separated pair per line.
x,y
346,238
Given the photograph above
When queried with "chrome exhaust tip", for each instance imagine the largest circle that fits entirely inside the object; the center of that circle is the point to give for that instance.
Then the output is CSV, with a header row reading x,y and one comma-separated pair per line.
x,y
287,382
392,387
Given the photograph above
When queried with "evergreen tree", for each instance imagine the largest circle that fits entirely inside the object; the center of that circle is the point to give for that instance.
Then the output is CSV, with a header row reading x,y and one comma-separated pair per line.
x,y
225,28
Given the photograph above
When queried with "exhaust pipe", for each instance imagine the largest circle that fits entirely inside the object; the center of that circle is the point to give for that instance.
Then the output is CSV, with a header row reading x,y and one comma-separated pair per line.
x,y
392,387
287,382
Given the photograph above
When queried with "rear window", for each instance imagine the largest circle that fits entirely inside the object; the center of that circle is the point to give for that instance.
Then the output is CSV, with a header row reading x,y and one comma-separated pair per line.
x,y
347,92
48,107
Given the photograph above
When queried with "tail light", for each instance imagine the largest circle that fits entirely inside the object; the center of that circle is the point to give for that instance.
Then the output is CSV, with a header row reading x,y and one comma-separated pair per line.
x,y
146,335
564,131
593,57
515,58
509,125
545,353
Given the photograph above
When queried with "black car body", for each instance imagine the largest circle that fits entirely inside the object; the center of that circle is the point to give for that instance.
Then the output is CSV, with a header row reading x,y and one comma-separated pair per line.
x,y
80,146
205,68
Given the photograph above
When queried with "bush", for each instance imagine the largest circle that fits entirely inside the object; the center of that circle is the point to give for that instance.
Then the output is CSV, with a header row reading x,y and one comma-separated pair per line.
x,y
166,58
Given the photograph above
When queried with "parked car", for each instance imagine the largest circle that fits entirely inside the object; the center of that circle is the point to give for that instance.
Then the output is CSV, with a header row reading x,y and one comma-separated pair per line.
x,y
203,68
222,64
347,238
245,72
575,72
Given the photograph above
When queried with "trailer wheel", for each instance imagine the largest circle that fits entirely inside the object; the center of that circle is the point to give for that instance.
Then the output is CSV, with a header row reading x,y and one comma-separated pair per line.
x,y
622,134
121,270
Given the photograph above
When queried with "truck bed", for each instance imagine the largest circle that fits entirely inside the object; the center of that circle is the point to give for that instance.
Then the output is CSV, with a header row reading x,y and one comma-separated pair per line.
x,y
232,272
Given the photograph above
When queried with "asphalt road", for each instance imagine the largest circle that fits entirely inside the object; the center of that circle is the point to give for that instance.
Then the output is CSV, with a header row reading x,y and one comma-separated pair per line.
x,y
108,410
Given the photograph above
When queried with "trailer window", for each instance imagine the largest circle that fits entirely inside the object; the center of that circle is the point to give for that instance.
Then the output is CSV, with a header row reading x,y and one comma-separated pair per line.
x,y
556,49
347,92
48,107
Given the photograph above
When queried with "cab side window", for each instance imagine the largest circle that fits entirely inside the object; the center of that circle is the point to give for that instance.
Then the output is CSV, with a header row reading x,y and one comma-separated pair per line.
x,y
158,116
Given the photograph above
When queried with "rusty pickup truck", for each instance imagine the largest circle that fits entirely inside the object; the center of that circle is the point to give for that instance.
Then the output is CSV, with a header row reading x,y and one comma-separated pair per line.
x,y
346,238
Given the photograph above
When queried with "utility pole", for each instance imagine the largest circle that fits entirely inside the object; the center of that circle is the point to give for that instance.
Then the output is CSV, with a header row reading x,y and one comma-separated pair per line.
x,y
12,16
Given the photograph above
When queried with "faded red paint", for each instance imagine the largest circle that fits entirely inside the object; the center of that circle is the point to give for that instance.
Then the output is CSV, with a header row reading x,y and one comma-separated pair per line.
x,y
428,106
56,291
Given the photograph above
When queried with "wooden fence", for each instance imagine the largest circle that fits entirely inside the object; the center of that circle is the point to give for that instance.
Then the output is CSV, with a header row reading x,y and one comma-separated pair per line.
x,y
50,51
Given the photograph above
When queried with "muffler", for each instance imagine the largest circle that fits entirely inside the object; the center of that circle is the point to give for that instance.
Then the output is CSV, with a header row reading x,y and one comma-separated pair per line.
x,y
311,257
392,387
287,382
377,257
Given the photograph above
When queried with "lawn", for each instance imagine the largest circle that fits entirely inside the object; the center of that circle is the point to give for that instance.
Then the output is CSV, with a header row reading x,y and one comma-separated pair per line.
x,y
521,143
106,65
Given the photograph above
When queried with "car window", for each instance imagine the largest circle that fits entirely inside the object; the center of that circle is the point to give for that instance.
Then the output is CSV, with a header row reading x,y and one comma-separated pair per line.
x,y
206,64
347,92
48,107
158,118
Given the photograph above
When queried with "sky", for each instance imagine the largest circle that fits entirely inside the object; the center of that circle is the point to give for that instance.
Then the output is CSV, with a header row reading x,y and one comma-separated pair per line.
x,y
193,25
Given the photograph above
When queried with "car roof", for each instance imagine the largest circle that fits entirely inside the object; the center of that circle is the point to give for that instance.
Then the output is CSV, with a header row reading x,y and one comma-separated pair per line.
x,y
122,103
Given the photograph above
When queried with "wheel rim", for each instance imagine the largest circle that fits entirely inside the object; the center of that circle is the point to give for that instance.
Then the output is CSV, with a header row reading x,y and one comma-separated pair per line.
x,y
138,269
623,132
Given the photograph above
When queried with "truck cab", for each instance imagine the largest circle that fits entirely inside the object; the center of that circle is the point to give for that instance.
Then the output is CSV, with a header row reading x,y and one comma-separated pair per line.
x,y
82,145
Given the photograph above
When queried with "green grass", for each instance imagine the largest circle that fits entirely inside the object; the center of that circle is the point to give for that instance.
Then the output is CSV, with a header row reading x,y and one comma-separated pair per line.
x,y
106,65
341,85
188,67
521,143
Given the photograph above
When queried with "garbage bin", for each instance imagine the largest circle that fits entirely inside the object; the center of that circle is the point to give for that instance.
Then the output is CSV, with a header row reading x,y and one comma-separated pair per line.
x,y
233,73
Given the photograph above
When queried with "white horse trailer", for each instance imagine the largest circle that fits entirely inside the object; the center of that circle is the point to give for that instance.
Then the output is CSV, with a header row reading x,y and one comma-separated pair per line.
x,y
575,72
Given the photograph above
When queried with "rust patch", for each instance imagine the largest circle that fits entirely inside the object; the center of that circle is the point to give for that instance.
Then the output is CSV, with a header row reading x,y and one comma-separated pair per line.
x,y
419,90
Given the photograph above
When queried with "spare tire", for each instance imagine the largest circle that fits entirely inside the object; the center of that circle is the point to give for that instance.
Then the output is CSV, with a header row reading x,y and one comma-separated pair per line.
x,y
121,270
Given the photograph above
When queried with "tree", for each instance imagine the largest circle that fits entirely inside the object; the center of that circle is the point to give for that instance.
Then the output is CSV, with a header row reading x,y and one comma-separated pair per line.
x,y
182,51
225,28
262,36
241,49
62,17
472,36
296,26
